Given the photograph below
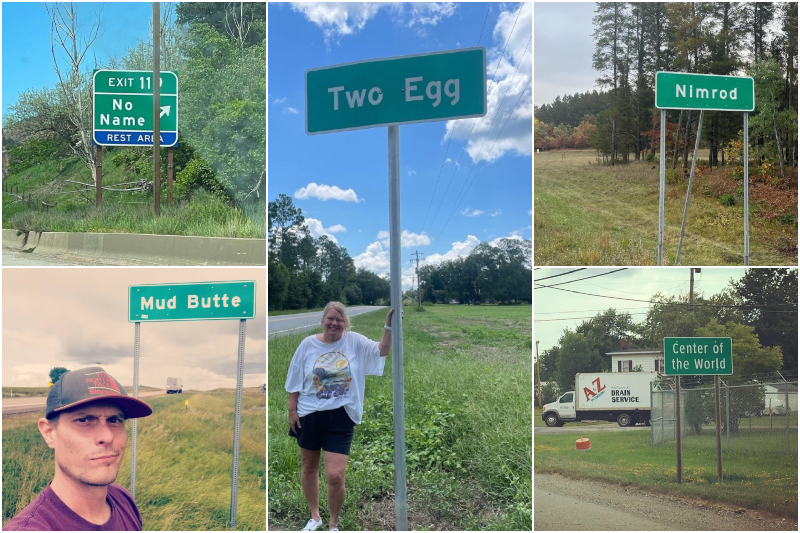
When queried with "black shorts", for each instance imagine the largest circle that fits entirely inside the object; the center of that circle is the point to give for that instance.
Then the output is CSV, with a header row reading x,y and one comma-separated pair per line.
x,y
330,430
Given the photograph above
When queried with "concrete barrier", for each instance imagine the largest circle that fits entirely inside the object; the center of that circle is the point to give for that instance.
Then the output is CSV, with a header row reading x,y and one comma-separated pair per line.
x,y
160,249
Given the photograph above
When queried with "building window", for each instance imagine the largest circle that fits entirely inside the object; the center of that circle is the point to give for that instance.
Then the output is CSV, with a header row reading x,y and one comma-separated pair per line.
x,y
657,369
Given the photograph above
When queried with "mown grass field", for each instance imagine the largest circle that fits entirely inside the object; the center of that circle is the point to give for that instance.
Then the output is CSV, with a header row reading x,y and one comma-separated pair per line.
x,y
184,463
587,214
467,373
120,212
757,472
34,392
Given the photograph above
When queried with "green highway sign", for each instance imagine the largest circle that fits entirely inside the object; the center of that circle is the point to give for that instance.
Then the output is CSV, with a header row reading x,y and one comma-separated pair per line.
x,y
123,108
399,90
698,356
681,90
223,300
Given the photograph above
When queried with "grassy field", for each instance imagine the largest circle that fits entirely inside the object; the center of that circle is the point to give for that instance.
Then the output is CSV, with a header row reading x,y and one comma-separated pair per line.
x,y
184,463
468,426
120,212
587,214
36,392
757,472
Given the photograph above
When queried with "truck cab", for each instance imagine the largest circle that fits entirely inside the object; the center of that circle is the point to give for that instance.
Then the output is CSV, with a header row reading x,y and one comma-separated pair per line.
x,y
559,411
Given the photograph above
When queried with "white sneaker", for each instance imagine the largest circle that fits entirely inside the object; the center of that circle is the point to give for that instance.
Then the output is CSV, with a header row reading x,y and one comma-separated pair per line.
x,y
312,525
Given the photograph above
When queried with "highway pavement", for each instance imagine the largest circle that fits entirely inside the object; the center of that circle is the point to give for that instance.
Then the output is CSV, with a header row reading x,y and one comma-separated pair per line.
x,y
305,322
29,405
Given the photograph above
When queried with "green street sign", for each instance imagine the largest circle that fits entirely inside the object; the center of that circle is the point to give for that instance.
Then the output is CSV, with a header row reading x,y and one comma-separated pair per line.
x,y
681,90
698,356
223,300
399,90
123,108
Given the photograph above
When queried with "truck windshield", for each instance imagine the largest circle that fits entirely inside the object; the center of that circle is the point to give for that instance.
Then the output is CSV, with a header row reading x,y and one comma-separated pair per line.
x,y
567,398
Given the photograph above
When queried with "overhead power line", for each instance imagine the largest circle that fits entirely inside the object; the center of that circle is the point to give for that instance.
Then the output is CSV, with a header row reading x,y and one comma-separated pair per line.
x,y
556,275
579,279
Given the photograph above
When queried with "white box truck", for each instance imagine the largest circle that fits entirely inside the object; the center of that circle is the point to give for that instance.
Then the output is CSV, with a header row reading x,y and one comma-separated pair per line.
x,y
174,385
622,397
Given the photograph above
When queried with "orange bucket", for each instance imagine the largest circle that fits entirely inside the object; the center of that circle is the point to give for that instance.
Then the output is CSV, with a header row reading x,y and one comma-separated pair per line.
x,y
582,445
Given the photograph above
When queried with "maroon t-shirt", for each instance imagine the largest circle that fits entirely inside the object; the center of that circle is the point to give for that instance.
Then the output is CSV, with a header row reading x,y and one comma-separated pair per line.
x,y
48,513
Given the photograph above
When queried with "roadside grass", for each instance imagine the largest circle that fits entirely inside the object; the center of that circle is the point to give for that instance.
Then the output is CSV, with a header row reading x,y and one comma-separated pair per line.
x,y
120,212
184,463
586,214
757,472
468,426
41,392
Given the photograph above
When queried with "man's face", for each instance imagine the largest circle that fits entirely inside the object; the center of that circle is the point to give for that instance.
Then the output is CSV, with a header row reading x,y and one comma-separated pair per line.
x,y
89,442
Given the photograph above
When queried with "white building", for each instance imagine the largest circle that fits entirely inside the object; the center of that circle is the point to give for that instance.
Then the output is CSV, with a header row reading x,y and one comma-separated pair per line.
x,y
775,398
625,360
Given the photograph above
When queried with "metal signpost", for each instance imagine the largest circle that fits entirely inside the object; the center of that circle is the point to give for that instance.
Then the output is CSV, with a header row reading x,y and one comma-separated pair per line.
x,y
224,300
703,92
389,92
698,356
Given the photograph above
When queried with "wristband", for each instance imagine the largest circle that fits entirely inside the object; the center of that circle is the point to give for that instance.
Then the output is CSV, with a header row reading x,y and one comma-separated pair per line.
x,y
389,328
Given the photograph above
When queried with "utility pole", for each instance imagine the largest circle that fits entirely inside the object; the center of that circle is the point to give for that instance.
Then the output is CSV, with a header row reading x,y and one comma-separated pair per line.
x,y
419,281
156,108
539,375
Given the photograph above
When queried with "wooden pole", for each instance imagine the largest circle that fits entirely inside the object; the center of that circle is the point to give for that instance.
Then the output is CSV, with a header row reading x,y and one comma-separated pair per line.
x,y
169,175
98,195
156,109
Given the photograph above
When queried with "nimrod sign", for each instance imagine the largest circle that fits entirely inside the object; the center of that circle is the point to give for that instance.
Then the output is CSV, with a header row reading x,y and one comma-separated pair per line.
x,y
681,90
192,301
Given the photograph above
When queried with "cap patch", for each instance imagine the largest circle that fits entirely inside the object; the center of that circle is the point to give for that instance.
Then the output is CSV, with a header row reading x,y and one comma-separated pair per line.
x,y
102,384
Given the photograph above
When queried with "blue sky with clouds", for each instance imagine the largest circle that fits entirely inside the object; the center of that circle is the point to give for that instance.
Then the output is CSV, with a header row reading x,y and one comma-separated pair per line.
x,y
462,182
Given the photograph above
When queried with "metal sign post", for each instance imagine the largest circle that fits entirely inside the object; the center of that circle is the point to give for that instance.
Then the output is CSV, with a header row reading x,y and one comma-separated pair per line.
x,y
710,92
678,427
719,429
388,92
689,188
176,302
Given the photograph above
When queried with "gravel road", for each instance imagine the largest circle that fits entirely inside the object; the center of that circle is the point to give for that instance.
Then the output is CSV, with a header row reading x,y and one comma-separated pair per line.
x,y
563,504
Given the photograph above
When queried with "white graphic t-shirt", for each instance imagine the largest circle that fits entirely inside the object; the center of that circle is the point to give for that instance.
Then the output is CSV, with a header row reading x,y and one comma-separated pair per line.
x,y
329,376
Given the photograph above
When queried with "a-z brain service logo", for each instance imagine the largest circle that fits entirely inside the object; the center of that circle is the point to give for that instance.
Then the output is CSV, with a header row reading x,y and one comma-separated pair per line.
x,y
596,392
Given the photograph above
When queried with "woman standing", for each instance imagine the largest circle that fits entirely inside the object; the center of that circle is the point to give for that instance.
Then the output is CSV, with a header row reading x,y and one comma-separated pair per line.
x,y
326,400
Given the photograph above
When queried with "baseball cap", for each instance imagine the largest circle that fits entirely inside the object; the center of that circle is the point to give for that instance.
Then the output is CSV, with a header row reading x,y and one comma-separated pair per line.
x,y
91,384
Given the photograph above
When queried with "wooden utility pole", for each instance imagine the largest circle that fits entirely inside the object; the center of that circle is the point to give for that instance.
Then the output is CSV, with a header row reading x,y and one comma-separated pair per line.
x,y
169,175
157,108
539,375
419,281
98,167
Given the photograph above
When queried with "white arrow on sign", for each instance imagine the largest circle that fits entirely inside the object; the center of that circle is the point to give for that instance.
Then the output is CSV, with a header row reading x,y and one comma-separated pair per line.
x,y
165,110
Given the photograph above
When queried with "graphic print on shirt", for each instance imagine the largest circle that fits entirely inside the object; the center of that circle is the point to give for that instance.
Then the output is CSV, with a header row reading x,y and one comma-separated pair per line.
x,y
332,375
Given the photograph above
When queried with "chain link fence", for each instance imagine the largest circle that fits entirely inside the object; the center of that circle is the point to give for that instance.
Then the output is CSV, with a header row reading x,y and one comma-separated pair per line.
x,y
754,416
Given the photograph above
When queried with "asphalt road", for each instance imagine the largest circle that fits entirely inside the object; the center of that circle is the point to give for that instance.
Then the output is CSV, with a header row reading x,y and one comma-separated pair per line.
x,y
579,427
30,405
287,324
13,257
563,504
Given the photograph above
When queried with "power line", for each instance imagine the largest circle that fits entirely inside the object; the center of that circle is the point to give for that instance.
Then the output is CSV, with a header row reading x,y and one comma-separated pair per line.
x,y
556,275
578,318
579,279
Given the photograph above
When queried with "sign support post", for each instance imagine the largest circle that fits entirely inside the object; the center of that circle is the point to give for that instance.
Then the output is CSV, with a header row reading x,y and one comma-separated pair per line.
x,y
661,184
396,274
678,426
719,429
156,108
689,189
237,425
98,191
135,395
746,196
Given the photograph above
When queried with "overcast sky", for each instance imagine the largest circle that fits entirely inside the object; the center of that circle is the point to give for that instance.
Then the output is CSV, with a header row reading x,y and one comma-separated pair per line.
x,y
78,317
562,49
555,310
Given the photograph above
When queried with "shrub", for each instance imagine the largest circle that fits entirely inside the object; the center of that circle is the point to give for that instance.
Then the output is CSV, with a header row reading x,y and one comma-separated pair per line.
x,y
36,151
197,174
728,199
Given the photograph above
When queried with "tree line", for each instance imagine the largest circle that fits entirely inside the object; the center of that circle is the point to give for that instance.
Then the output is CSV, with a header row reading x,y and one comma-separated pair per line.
x,y
306,272
635,40
759,313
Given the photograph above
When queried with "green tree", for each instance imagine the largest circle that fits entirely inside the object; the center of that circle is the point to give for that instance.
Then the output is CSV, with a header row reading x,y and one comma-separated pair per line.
x,y
575,354
56,373
605,332
771,120
278,284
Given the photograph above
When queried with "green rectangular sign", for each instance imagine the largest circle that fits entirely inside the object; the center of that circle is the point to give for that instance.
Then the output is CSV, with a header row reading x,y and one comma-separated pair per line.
x,y
681,90
698,356
123,108
220,300
400,90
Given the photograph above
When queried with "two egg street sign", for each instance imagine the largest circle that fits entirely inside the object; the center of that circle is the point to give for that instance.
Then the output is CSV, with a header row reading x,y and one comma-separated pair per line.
x,y
192,301
703,92
389,92
123,108
698,356
681,90
398,90
213,300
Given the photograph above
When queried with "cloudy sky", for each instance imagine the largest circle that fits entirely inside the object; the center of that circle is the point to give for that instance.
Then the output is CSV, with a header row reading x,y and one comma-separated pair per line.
x,y
462,182
78,317
555,310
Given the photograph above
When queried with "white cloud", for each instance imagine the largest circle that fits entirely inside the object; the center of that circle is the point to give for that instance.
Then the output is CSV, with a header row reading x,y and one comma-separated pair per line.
x,y
496,213
514,236
458,249
316,229
407,239
374,259
430,13
279,100
338,18
325,192
412,172
503,87
290,110
471,212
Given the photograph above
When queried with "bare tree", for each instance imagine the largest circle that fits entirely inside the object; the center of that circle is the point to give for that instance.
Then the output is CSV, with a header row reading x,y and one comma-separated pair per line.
x,y
74,86
238,25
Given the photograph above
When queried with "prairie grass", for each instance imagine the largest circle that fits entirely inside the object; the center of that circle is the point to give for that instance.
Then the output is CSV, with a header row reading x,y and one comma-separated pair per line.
x,y
184,463
757,472
586,214
34,392
467,372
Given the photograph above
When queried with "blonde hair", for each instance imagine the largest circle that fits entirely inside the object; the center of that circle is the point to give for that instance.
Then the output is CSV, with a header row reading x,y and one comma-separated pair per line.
x,y
339,306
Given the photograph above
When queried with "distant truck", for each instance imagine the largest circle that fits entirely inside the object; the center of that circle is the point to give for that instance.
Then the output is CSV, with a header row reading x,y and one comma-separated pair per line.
x,y
174,386
622,397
